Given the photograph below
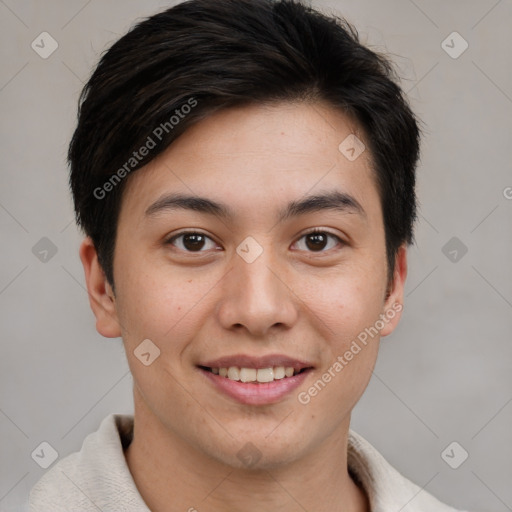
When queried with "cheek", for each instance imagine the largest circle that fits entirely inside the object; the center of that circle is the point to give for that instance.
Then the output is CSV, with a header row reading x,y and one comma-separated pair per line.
x,y
157,304
346,312
345,303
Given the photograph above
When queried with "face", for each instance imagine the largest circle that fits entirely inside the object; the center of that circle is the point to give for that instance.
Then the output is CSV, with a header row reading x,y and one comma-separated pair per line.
x,y
248,283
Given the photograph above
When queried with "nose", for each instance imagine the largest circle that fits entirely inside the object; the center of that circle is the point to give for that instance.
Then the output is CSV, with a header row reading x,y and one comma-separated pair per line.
x,y
256,297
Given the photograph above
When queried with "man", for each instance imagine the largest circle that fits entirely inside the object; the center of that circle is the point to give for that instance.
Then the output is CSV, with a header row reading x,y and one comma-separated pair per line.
x,y
244,173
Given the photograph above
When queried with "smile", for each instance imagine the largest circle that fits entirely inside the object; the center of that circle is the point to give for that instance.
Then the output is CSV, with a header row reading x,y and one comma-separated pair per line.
x,y
255,380
255,374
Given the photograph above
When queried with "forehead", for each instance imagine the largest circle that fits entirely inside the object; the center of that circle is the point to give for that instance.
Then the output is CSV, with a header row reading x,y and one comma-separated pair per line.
x,y
283,132
255,156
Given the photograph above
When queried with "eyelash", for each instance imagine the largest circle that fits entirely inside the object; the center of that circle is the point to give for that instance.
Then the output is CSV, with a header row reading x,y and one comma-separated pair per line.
x,y
312,231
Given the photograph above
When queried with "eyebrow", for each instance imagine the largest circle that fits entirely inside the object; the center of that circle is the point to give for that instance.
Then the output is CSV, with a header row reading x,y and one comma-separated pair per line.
x,y
332,200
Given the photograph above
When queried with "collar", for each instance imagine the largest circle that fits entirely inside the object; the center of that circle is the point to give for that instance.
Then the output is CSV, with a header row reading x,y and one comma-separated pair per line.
x,y
98,477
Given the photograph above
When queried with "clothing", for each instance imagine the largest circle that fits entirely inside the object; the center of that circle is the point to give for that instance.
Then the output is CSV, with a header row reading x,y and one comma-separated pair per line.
x,y
98,477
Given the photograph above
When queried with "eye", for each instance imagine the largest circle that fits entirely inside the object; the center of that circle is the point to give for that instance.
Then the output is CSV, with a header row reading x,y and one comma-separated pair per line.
x,y
317,239
191,241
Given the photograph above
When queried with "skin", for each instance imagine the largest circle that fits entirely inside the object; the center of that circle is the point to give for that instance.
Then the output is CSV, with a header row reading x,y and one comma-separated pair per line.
x,y
297,298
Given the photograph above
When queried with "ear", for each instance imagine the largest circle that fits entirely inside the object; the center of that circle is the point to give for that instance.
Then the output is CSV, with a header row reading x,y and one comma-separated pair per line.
x,y
101,296
393,304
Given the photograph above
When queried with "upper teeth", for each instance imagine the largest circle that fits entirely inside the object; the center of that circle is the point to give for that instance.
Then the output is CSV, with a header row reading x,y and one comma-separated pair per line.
x,y
253,374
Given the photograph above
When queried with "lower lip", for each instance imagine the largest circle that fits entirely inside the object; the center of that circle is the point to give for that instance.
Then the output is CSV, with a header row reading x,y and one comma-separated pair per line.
x,y
254,393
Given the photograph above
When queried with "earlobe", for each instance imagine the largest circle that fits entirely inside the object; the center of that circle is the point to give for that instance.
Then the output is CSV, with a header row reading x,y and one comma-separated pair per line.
x,y
101,296
393,304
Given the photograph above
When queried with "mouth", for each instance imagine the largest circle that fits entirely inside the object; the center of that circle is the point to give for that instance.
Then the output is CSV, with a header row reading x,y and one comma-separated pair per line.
x,y
256,381
258,375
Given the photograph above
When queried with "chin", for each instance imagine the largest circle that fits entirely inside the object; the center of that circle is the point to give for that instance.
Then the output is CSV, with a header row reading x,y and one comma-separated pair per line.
x,y
260,450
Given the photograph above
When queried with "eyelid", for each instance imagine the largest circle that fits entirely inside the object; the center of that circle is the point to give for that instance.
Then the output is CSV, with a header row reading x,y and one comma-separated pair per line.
x,y
320,230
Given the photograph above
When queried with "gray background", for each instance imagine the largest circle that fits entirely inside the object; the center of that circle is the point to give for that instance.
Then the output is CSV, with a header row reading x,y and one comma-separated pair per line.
x,y
444,375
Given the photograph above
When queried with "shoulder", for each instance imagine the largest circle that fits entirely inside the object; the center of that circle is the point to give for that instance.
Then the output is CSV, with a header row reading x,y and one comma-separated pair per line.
x,y
95,478
387,489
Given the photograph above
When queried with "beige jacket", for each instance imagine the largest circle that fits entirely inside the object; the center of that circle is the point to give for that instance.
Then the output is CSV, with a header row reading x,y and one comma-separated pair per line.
x,y
98,478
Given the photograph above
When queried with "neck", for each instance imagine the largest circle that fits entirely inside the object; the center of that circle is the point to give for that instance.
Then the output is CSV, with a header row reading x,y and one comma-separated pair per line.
x,y
170,474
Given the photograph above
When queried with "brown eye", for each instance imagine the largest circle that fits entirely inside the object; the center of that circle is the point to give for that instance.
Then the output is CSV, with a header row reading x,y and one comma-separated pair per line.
x,y
318,240
190,241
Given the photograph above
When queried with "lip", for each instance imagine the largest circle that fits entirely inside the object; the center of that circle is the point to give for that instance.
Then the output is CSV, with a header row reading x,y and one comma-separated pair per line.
x,y
260,393
257,393
245,361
